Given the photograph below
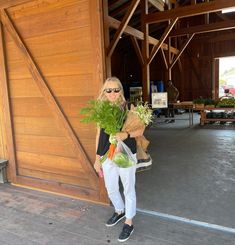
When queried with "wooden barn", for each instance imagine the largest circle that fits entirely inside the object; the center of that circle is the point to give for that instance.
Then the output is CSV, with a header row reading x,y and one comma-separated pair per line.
x,y
55,55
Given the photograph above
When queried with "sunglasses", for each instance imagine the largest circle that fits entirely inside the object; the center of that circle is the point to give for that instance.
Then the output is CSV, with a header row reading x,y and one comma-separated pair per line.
x,y
110,90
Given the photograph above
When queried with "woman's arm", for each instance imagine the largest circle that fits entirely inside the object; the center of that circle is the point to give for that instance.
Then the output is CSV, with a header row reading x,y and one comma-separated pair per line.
x,y
97,164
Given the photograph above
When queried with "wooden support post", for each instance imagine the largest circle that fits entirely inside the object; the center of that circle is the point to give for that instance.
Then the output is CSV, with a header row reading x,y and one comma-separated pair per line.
x,y
145,52
108,66
169,61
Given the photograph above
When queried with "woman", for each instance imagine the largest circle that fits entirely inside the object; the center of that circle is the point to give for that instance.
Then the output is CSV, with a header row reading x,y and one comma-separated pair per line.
x,y
112,91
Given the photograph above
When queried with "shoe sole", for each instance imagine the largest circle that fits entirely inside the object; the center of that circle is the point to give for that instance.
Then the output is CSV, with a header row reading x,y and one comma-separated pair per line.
x,y
115,222
123,240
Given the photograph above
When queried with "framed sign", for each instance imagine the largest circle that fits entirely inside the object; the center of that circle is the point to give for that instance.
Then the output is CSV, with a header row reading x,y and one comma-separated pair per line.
x,y
159,100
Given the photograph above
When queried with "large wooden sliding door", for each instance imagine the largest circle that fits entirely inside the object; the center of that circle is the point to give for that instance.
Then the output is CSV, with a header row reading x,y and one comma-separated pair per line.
x,y
51,65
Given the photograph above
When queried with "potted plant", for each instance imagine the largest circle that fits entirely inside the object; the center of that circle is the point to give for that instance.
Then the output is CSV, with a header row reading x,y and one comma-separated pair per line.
x,y
209,103
199,103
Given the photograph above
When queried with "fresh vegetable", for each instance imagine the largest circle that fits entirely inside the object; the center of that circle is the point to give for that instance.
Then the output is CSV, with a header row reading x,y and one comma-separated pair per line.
x,y
107,115
112,148
122,160
226,102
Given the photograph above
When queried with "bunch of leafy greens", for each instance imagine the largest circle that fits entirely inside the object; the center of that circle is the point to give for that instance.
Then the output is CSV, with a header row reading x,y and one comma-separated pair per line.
x,y
107,115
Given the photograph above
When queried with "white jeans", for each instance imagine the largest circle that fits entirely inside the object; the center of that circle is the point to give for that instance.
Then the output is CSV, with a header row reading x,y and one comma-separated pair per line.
x,y
111,177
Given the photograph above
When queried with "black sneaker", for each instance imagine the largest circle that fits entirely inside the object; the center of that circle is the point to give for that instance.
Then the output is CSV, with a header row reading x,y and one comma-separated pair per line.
x,y
127,230
115,219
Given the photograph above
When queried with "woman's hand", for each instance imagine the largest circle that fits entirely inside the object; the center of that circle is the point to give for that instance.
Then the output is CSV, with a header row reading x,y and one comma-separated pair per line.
x,y
121,135
98,167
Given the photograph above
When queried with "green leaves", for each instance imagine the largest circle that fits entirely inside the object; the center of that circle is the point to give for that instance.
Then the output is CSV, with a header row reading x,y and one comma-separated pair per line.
x,y
107,115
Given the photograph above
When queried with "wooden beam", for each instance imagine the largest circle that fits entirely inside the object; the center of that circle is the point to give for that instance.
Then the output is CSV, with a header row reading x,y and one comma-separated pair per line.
x,y
169,60
181,50
50,99
191,10
207,16
113,2
145,52
7,116
159,4
161,41
164,58
137,50
108,66
180,66
219,26
122,26
222,16
138,34
120,9
221,38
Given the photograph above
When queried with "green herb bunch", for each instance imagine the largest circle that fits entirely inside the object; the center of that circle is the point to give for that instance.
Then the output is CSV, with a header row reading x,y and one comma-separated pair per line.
x,y
107,115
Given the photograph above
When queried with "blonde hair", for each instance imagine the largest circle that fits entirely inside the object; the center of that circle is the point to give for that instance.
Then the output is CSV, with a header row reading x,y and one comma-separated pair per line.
x,y
102,95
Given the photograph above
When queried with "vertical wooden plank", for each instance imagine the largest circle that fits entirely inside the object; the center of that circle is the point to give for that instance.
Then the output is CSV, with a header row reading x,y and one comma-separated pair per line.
x,y
169,60
97,31
108,67
145,52
8,126
97,43
215,79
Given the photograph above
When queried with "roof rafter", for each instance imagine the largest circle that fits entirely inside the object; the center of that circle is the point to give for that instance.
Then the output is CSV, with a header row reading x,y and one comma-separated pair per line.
x,y
162,39
122,26
159,4
138,34
191,10
219,26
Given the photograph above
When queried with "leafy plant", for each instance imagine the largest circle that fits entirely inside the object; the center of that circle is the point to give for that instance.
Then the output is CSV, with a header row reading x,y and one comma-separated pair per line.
x,y
226,102
199,100
107,115
209,101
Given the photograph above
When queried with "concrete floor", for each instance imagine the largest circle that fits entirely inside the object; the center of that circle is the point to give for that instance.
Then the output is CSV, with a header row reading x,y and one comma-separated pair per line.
x,y
29,217
193,172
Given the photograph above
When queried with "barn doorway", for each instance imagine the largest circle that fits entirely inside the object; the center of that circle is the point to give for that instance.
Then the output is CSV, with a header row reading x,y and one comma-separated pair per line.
x,y
227,76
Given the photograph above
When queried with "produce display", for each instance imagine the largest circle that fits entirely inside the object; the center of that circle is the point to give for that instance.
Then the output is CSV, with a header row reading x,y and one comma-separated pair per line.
x,y
226,102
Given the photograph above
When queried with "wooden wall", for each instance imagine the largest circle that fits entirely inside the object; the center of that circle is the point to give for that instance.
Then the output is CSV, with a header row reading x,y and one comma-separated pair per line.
x,y
200,74
45,92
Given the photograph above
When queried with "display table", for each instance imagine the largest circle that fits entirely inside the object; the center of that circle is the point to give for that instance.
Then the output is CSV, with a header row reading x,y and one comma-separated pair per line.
x,y
185,105
204,119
